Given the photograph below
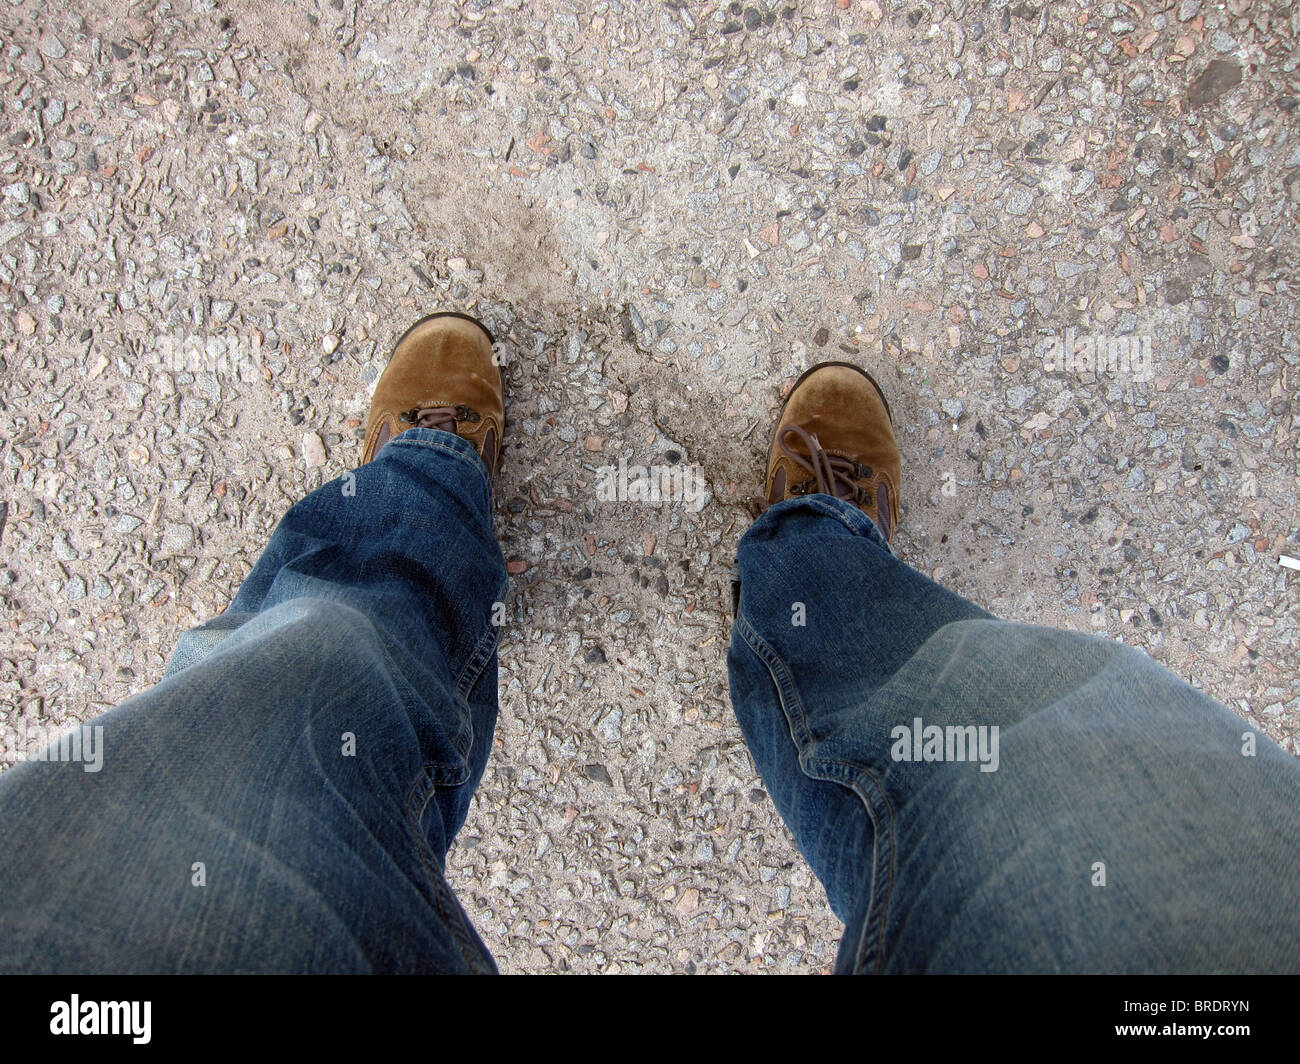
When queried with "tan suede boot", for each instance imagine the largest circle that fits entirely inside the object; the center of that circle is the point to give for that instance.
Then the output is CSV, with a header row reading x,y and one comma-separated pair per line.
x,y
835,436
441,376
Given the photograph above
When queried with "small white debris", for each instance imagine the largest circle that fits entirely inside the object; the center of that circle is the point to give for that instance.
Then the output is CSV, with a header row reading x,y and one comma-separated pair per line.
x,y
1287,562
313,450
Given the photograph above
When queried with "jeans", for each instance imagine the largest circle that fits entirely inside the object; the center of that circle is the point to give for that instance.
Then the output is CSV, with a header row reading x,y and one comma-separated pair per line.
x,y
284,799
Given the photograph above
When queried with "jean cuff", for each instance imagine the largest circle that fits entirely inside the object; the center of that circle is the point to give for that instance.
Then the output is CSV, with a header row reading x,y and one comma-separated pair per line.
x,y
446,442
846,513
769,521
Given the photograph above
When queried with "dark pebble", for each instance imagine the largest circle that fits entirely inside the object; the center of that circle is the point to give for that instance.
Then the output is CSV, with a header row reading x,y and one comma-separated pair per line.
x,y
1220,76
598,774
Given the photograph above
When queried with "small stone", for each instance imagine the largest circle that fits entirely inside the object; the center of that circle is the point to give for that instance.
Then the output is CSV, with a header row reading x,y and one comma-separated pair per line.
x,y
1022,199
52,48
63,550
329,343
598,774
11,229
1220,76
515,566
177,538
1066,270
25,322
313,450
1019,396
1223,42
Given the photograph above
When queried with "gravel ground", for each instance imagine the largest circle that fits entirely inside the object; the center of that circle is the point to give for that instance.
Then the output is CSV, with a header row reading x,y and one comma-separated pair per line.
x,y
667,211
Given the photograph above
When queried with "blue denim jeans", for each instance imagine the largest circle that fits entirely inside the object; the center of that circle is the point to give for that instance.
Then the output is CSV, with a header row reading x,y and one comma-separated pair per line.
x,y
283,800
1131,824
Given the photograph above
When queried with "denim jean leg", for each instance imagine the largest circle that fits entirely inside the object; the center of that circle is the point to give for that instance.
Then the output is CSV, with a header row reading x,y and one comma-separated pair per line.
x,y
1125,821
284,798
825,614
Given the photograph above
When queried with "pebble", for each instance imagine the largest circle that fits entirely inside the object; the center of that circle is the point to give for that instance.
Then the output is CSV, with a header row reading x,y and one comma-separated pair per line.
x,y
1066,270
1021,201
313,450
177,538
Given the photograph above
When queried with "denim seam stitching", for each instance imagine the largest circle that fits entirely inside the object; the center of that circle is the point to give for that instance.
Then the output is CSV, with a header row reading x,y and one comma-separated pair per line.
x,y
871,938
478,660
454,919
878,806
